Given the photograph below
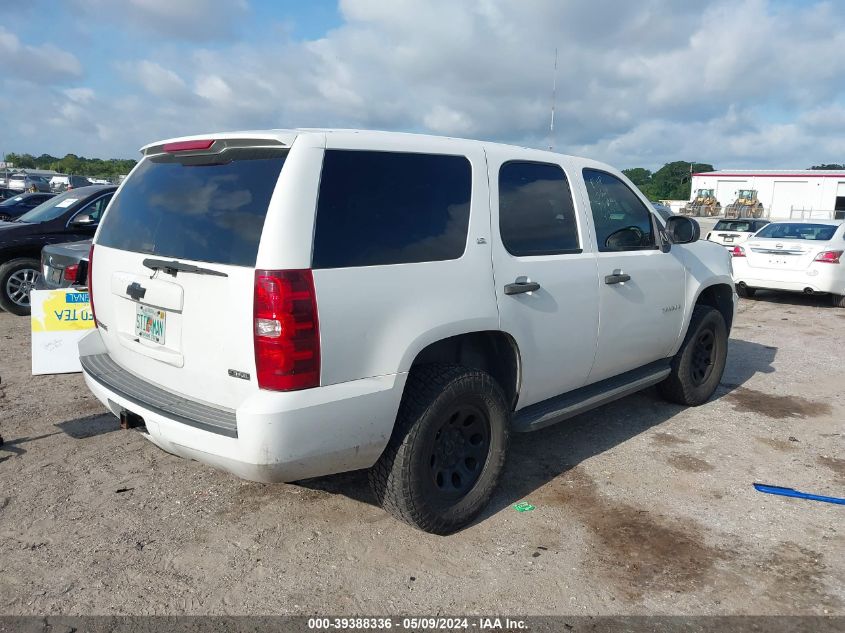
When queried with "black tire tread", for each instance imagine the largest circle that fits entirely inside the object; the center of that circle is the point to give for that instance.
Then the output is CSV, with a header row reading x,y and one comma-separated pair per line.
x,y
393,490
678,387
837,301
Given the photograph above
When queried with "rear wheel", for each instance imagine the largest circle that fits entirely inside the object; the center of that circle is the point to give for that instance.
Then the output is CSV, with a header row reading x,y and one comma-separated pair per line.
x,y
698,366
17,279
745,292
837,301
447,449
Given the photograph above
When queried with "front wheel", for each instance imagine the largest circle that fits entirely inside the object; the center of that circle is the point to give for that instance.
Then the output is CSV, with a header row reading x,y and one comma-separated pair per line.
x,y
447,450
698,366
17,279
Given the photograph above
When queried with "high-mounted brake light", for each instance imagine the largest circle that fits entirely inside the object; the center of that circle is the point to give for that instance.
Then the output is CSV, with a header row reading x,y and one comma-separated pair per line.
x,y
738,251
286,330
71,272
187,146
90,286
829,257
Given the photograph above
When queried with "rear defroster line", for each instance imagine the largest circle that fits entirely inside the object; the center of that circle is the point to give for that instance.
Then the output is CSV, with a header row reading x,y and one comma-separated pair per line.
x,y
791,492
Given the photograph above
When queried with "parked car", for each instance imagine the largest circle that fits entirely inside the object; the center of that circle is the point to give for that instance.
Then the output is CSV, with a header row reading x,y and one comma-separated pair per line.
x,y
6,193
69,216
65,183
798,256
729,233
64,265
16,206
292,304
26,182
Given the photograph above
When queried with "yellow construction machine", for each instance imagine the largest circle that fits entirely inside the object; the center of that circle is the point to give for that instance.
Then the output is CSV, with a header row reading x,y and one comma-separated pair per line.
x,y
746,205
704,204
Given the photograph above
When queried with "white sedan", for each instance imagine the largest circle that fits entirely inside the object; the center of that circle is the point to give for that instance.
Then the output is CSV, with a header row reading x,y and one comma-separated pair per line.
x,y
732,232
799,256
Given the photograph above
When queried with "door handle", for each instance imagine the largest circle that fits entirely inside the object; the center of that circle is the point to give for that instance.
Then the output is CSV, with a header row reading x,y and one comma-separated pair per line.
x,y
617,277
519,287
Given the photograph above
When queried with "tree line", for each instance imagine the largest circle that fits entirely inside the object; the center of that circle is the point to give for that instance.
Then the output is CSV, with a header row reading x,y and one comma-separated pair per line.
x,y
72,164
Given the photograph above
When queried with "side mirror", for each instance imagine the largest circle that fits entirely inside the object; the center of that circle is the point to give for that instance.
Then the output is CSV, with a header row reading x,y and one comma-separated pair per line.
x,y
682,230
83,220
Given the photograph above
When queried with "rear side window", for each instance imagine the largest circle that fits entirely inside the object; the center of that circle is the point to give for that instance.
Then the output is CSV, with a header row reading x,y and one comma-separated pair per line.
x,y
378,208
536,215
622,221
207,208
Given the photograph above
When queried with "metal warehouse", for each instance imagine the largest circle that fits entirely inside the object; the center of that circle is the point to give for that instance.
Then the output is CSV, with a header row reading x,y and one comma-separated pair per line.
x,y
783,194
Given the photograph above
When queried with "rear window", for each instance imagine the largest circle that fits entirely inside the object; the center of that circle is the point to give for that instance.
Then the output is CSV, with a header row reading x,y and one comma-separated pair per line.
x,y
798,231
739,226
208,208
379,208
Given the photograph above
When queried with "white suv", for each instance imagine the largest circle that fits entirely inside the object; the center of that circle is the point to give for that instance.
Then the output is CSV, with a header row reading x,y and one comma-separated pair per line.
x,y
288,304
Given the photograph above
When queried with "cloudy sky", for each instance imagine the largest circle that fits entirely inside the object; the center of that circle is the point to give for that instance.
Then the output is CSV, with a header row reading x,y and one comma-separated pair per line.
x,y
736,83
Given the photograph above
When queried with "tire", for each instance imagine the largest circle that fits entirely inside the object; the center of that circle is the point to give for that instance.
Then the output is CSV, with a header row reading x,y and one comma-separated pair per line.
x,y
698,366
745,292
16,277
837,301
432,475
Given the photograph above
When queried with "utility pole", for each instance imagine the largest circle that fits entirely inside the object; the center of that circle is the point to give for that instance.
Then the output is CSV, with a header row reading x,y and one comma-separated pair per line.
x,y
554,100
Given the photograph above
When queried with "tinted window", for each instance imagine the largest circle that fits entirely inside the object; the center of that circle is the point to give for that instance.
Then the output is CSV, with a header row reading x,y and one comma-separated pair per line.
x,y
622,221
743,226
798,231
391,208
536,216
208,208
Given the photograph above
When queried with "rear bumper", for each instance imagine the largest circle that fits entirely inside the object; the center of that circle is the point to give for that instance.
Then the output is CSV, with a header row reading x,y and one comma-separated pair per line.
x,y
817,277
273,436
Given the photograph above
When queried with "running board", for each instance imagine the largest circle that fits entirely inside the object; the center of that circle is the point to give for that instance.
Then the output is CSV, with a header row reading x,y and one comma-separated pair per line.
x,y
567,405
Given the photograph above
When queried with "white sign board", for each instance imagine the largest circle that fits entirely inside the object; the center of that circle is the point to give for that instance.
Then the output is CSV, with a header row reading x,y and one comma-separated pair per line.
x,y
59,319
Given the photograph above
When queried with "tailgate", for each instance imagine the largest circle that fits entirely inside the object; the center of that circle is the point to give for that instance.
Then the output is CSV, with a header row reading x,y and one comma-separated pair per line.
x,y
174,264
780,254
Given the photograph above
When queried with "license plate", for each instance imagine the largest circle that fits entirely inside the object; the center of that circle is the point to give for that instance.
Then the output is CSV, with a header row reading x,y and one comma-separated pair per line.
x,y
778,262
729,239
149,323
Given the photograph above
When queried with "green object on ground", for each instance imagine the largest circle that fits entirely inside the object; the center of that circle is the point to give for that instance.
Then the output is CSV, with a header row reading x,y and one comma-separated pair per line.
x,y
523,506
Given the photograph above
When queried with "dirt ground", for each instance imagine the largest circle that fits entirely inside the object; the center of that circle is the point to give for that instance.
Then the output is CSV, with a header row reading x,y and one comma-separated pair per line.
x,y
641,507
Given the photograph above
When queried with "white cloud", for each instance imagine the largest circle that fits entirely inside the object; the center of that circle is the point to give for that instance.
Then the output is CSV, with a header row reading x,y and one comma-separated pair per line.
x,y
40,64
738,83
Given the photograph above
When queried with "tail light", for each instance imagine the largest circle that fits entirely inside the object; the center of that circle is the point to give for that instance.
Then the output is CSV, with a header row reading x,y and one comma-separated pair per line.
x,y
286,330
90,285
829,257
187,146
71,272
737,251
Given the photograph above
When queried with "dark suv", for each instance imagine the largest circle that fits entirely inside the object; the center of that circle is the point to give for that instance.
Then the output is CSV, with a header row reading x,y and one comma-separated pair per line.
x,y
70,216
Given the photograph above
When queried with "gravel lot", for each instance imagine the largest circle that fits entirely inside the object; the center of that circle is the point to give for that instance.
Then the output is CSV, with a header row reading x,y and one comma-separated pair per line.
x,y
641,507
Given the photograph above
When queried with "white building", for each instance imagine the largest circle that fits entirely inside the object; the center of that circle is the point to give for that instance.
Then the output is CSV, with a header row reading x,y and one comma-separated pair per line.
x,y
815,193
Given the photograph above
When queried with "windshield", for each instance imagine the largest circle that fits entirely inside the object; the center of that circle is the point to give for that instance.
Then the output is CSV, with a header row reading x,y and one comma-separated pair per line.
x,y
204,208
10,202
798,231
726,225
51,209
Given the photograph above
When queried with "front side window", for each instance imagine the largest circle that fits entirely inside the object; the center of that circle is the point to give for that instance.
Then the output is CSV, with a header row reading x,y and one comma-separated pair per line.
x,y
622,221
536,214
378,208
96,208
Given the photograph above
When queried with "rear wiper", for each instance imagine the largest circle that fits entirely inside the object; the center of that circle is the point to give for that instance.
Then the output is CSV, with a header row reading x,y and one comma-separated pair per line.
x,y
173,267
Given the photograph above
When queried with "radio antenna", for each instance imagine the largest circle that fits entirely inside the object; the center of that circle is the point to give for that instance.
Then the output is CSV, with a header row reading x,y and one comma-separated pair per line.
x,y
554,99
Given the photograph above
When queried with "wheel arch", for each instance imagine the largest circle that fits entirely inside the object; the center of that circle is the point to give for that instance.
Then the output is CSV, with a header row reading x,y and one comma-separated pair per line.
x,y
493,351
719,296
